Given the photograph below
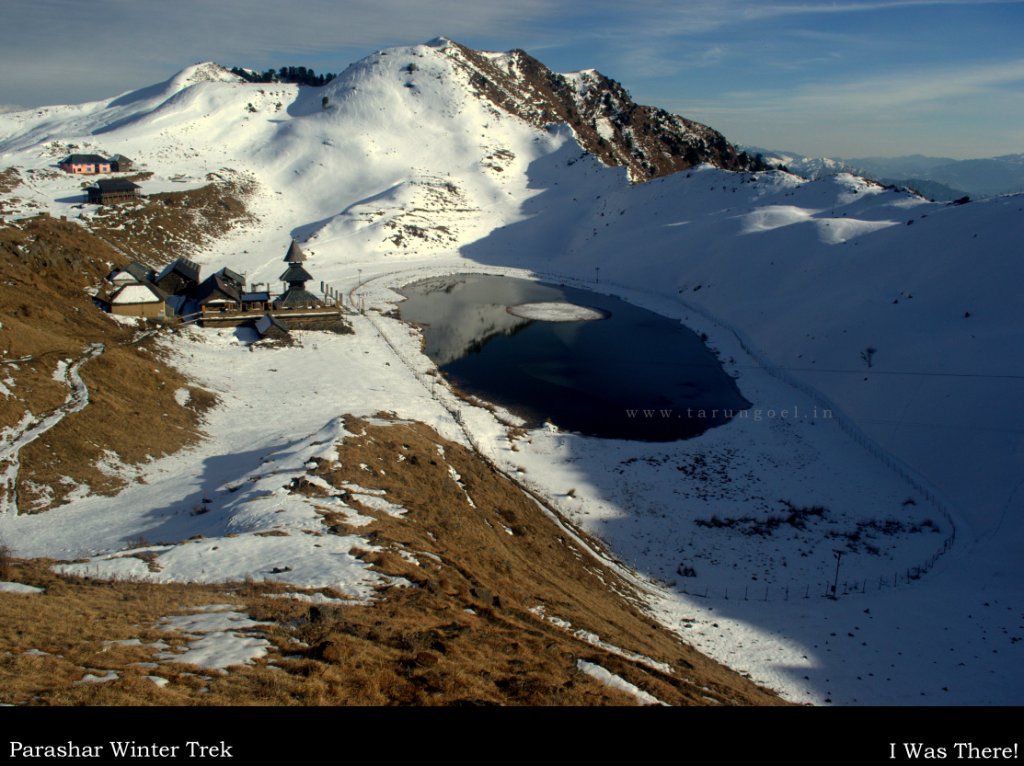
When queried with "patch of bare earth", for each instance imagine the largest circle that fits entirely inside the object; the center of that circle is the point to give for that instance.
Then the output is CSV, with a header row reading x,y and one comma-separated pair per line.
x,y
165,226
10,179
48,320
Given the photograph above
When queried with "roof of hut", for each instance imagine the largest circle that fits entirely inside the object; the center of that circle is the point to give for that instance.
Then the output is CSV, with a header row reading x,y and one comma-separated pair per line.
x,y
115,185
295,254
216,288
295,298
83,159
296,273
267,321
185,267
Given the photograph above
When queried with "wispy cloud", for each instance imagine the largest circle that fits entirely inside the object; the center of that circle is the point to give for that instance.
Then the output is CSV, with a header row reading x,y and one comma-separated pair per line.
x,y
651,20
656,38
957,111
933,88
765,10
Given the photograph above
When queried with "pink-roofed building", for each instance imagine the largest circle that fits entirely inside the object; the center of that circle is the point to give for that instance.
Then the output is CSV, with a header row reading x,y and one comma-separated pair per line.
x,y
85,164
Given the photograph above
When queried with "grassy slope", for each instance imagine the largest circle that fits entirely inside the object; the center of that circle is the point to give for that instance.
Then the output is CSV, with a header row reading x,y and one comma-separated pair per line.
x,y
467,631
47,315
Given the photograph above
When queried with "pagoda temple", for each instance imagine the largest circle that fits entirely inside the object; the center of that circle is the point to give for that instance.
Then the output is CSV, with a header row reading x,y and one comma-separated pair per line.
x,y
296,296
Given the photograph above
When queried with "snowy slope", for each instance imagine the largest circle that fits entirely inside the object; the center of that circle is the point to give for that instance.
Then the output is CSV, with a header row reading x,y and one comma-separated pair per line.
x,y
407,172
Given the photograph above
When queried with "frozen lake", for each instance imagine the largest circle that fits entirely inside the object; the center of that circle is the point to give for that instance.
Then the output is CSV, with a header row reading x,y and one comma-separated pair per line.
x,y
619,371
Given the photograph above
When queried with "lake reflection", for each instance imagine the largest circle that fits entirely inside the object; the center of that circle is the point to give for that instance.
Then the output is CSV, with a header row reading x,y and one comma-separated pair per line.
x,y
635,375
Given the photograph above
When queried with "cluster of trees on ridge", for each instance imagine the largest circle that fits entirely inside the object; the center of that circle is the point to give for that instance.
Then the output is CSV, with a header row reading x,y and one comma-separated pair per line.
x,y
290,74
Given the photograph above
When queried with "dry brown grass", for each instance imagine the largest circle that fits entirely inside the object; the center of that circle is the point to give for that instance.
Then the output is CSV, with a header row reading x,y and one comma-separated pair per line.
x,y
132,412
500,652
6,562
469,398
52,640
460,631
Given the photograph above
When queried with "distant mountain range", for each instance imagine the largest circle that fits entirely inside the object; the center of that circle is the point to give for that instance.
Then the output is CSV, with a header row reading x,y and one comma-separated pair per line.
x,y
938,178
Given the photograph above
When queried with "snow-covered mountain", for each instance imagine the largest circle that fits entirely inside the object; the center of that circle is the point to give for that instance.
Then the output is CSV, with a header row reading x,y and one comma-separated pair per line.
x,y
605,120
434,159
939,178
811,168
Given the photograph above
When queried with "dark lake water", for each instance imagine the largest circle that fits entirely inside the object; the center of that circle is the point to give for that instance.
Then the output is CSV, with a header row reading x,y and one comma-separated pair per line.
x,y
631,375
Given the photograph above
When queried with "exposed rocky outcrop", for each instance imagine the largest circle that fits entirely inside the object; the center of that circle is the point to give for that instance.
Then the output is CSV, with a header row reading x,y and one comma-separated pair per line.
x,y
647,141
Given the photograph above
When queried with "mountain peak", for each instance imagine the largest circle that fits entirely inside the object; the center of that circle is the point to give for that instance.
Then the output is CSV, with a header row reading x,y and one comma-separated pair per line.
x,y
204,71
647,141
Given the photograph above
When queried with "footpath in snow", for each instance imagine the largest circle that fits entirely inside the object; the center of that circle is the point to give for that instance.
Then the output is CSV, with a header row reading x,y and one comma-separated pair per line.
x,y
13,440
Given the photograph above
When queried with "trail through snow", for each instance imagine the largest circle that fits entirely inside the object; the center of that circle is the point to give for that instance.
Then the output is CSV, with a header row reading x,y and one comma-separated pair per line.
x,y
31,428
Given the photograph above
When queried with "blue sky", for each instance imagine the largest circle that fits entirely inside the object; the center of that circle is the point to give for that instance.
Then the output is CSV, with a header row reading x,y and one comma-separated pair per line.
x,y
846,78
